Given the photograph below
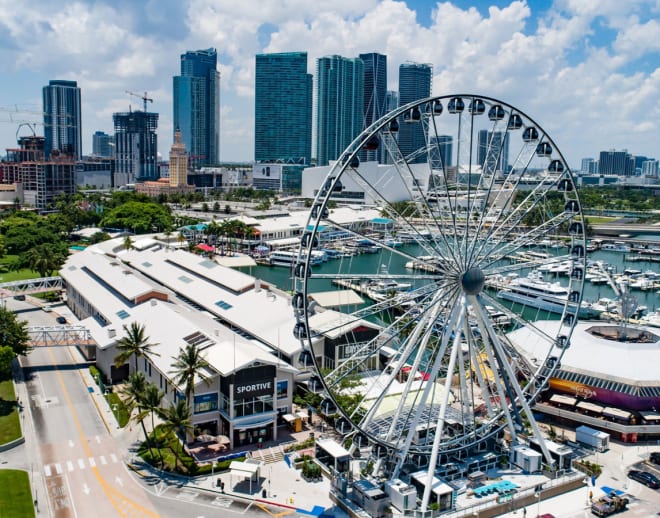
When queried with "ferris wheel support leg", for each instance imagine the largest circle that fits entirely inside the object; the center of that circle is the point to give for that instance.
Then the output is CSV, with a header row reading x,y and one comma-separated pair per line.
x,y
521,397
456,345
456,312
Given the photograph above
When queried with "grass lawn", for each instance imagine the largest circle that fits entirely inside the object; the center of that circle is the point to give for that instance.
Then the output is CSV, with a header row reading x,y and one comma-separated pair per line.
x,y
10,427
16,495
118,409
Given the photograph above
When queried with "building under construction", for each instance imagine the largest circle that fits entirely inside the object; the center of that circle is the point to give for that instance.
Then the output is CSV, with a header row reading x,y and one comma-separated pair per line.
x,y
42,181
136,147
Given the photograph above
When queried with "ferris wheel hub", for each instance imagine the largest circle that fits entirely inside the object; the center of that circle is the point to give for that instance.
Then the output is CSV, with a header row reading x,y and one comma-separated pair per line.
x,y
473,281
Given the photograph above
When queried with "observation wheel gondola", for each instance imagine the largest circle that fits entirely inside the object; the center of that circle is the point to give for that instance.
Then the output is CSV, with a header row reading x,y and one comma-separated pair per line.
x,y
474,207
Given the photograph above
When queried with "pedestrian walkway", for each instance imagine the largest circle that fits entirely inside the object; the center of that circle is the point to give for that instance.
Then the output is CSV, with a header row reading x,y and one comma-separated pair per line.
x,y
57,468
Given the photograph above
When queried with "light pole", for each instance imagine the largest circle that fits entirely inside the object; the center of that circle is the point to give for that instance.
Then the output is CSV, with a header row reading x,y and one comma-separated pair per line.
x,y
538,503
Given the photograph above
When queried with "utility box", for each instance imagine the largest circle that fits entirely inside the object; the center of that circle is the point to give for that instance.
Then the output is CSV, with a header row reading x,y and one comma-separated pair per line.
x,y
599,441
370,497
402,496
526,458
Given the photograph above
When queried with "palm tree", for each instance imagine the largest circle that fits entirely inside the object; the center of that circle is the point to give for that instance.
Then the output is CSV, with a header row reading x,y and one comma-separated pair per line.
x,y
187,366
151,401
44,258
177,419
134,394
128,243
135,342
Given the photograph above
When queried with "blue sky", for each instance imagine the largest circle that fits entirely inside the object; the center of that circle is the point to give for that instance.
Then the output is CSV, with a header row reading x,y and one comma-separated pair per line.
x,y
587,70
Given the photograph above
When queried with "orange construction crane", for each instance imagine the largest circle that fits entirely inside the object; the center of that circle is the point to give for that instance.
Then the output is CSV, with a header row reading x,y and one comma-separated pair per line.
x,y
144,98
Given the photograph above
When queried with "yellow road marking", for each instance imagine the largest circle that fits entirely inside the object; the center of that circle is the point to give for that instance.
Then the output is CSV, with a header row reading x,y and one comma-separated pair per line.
x,y
107,489
276,515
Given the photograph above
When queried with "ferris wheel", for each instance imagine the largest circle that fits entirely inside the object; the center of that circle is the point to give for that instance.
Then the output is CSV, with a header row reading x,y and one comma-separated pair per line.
x,y
476,230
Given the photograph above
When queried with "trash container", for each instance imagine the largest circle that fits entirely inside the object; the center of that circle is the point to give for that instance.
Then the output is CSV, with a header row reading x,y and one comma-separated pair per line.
x,y
264,494
311,435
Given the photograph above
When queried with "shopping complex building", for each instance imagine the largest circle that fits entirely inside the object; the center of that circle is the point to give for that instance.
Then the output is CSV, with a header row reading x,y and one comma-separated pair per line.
x,y
243,326
607,377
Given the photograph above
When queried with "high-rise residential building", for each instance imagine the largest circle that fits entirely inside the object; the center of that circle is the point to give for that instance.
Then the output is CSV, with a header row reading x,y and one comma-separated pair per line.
x,y
650,168
178,162
62,126
197,106
136,147
340,93
492,153
440,151
414,84
587,166
375,97
283,98
620,163
102,144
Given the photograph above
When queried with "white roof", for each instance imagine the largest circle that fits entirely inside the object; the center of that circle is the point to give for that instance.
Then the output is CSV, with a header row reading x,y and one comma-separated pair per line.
x,y
634,363
246,469
437,486
234,261
333,324
329,299
563,400
333,448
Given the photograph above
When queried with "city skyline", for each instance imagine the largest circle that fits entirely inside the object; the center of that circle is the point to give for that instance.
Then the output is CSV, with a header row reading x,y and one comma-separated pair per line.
x,y
587,74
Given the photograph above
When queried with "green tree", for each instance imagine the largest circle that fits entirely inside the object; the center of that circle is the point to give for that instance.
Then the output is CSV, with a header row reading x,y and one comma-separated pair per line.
x,y
138,216
133,392
128,243
46,258
134,343
13,332
7,356
187,366
177,419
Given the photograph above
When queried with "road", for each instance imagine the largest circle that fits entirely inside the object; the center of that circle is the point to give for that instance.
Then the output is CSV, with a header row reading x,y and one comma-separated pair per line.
x,y
79,460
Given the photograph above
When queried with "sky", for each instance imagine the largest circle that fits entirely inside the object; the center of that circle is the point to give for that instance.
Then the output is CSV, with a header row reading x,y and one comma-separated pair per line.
x,y
587,71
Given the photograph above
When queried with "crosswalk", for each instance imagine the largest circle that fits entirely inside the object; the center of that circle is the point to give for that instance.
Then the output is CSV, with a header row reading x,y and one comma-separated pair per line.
x,y
58,468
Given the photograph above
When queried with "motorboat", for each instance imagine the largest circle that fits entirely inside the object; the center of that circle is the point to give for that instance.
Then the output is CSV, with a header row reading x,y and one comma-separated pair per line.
x,y
289,258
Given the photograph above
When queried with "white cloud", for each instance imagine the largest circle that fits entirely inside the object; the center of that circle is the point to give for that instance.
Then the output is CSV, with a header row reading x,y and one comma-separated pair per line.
x,y
580,64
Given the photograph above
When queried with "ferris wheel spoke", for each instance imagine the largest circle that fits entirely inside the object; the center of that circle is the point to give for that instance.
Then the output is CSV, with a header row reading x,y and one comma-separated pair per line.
x,y
514,384
484,214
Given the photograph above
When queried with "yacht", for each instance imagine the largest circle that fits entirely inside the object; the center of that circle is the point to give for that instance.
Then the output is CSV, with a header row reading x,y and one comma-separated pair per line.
x,y
616,246
385,284
289,258
532,291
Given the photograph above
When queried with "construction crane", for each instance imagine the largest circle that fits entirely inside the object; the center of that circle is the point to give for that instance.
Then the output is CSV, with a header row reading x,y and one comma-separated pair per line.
x,y
144,98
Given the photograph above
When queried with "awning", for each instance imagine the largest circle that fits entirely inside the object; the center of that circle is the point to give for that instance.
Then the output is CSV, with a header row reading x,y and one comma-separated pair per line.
x,y
563,400
244,469
251,425
329,299
288,418
205,248
616,413
591,407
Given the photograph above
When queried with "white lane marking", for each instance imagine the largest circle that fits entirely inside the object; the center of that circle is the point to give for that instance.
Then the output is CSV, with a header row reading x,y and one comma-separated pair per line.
x,y
92,462
98,439
71,499
69,465
47,470
113,458
86,489
119,481
81,463
58,468
71,443
188,496
103,461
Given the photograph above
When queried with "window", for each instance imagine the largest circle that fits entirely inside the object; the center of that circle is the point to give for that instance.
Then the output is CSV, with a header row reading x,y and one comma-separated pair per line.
x,y
205,403
251,406
282,389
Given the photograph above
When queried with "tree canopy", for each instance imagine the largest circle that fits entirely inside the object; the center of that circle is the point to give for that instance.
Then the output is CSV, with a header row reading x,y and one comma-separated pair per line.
x,y
140,217
13,332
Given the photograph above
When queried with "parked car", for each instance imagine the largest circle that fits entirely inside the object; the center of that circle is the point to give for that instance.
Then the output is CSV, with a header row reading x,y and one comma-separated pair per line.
x,y
655,457
61,320
644,477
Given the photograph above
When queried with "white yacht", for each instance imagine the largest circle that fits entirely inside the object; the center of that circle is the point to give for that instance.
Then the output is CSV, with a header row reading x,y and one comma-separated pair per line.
x,y
289,258
532,291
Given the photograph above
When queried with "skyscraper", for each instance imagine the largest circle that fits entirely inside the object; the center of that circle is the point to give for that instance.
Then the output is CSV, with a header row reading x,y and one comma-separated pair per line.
x,y
375,96
414,84
136,147
102,144
619,163
492,153
440,151
283,108
62,127
339,105
197,106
